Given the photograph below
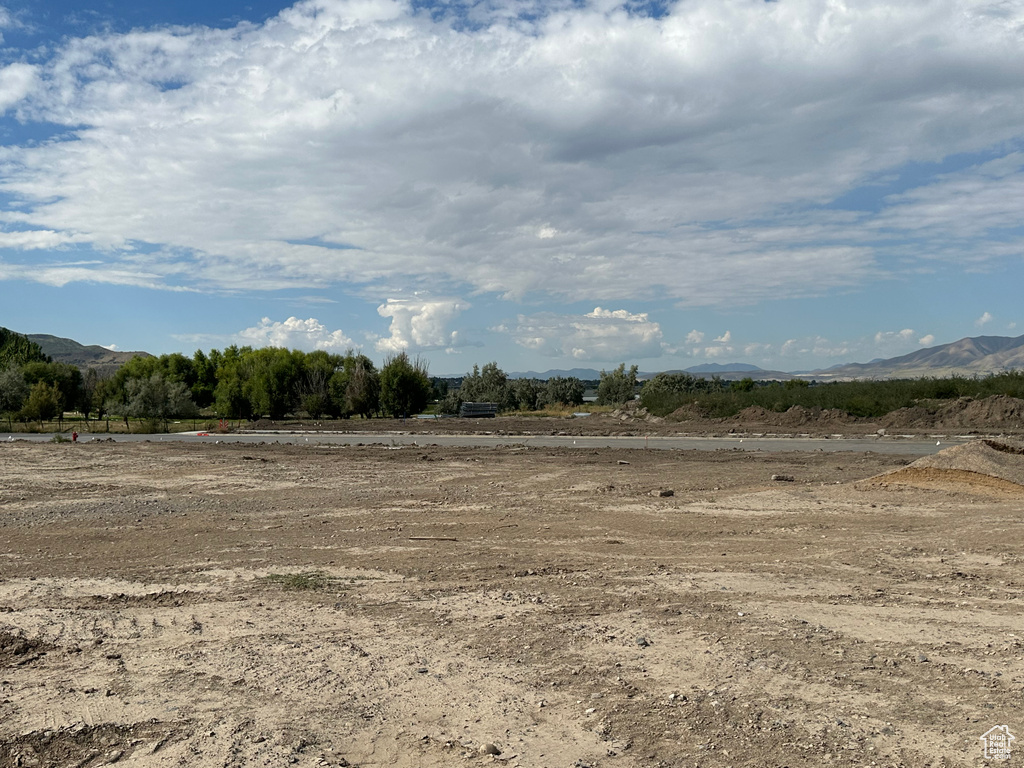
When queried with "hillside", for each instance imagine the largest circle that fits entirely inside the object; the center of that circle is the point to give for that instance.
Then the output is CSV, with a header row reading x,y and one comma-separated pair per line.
x,y
93,356
977,356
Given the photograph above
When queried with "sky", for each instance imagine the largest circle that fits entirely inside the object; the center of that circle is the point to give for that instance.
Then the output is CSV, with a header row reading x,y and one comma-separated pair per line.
x,y
793,184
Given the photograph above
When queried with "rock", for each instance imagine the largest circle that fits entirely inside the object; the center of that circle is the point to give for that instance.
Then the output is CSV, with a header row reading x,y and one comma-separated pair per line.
x,y
489,749
782,478
663,493
643,642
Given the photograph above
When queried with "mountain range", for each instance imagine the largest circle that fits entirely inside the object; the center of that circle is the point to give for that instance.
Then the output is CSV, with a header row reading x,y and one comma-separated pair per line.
x,y
93,356
974,356
977,356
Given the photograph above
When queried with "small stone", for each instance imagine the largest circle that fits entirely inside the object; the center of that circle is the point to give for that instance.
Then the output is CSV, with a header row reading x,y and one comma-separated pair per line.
x,y
643,642
782,478
922,658
489,749
663,493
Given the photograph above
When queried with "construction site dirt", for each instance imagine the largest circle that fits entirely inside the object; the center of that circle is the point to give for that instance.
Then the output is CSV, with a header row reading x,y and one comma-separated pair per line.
x,y
173,604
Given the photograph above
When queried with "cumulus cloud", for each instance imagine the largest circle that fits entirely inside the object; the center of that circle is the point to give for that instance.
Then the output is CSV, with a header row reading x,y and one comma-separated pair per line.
x,y
418,325
985,319
721,351
694,337
926,340
601,336
16,80
525,152
888,337
725,338
294,333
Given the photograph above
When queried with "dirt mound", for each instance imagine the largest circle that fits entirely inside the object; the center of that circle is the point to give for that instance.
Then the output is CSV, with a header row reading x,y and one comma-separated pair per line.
x,y
995,412
983,464
16,650
795,416
84,745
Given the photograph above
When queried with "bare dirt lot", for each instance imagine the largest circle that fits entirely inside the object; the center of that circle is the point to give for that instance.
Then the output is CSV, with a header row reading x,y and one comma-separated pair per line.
x,y
254,605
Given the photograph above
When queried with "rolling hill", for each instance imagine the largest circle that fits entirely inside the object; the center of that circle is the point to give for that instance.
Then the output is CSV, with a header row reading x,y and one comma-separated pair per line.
x,y
977,356
92,356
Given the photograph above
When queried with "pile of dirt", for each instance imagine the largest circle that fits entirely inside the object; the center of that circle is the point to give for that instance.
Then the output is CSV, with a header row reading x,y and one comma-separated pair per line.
x,y
16,650
978,465
995,412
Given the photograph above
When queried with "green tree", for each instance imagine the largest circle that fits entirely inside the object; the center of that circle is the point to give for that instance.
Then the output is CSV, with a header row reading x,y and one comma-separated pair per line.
x,y
314,390
229,394
159,399
43,403
525,394
205,367
13,393
270,377
362,391
487,385
563,390
67,379
617,387
404,386
16,350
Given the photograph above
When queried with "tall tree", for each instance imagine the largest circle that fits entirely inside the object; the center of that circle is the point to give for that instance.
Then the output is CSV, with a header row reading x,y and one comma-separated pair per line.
x,y
159,399
404,386
617,387
16,349
13,392
43,403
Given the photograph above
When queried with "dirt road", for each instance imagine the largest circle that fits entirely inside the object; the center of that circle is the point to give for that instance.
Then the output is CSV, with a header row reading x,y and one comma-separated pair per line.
x,y
258,605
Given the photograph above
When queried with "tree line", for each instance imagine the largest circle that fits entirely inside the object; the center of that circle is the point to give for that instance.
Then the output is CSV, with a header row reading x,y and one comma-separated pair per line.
x,y
714,397
233,383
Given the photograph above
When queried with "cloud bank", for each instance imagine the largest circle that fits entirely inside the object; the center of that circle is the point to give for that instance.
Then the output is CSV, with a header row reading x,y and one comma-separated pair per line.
x,y
582,152
293,333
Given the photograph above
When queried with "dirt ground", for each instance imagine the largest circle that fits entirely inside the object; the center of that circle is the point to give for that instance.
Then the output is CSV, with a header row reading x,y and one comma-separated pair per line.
x,y
269,605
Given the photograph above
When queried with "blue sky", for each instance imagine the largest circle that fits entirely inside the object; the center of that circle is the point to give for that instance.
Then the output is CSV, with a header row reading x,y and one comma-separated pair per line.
x,y
793,184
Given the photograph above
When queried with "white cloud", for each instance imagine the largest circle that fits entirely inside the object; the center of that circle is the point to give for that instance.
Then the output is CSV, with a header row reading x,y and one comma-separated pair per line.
x,y
600,336
985,319
927,340
717,351
33,240
527,151
420,325
111,347
897,337
725,338
16,81
694,337
294,333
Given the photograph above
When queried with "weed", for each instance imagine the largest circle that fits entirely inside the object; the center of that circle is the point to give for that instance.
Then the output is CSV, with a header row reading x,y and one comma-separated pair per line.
x,y
307,580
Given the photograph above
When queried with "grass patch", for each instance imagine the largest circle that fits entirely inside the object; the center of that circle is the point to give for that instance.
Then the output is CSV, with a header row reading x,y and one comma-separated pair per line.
x,y
564,411
307,580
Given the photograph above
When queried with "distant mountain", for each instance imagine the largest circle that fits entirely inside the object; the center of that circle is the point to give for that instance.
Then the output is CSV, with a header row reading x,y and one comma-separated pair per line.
x,y
975,356
584,374
729,373
69,351
720,368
